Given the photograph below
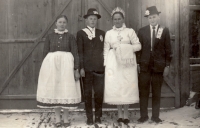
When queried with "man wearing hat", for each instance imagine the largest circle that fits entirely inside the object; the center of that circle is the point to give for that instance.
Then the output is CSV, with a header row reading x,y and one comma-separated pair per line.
x,y
90,41
153,63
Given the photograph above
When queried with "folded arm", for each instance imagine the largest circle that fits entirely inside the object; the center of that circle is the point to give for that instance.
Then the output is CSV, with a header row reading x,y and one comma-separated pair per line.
x,y
74,51
80,48
134,41
106,47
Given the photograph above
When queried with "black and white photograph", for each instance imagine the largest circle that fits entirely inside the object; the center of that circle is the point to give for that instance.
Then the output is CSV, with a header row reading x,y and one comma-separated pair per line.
x,y
100,64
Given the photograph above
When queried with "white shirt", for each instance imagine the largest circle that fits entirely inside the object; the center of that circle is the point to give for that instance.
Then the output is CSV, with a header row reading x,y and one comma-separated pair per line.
x,y
151,28
92,30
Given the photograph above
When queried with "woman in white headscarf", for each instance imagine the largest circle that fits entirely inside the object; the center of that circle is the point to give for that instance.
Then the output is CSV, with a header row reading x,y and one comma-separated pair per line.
x,y
121,78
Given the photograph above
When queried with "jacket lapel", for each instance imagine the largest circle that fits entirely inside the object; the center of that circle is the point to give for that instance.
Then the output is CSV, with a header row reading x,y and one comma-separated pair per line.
x,y
148,34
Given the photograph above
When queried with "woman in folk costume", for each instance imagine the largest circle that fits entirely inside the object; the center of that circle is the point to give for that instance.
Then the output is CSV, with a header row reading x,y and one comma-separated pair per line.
x,y
58,84
121,78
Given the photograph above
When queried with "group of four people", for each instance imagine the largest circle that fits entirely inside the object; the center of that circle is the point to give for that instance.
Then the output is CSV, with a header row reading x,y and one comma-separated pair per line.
x,y
107,64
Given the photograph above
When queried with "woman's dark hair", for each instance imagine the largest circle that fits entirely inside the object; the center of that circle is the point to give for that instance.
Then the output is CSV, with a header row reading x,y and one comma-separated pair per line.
x,y
62,16
118,13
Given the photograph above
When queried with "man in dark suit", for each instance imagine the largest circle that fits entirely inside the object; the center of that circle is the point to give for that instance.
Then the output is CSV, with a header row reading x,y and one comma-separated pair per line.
x,y
90,43
153,63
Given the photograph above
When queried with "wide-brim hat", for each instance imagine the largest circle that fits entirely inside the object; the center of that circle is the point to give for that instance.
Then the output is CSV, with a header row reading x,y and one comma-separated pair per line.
x,y
92,11
151,10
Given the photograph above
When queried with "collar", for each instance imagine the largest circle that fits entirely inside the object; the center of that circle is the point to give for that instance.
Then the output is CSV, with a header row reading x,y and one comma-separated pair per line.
x,y
156,27
60,32
120,29
91,29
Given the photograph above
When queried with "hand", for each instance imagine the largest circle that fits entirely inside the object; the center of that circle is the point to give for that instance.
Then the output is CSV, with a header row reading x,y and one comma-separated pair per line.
x,y
166,71
82,72
138,68
76,75
115,46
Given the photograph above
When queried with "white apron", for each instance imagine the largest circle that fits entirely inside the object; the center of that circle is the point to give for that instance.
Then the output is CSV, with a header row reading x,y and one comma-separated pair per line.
x,y
56,84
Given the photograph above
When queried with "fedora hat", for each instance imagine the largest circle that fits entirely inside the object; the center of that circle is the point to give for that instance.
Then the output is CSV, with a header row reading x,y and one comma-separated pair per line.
x,y
92,11
151,10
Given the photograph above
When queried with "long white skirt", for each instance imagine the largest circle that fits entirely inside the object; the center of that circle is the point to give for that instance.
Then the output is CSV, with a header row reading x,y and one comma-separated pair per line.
x,y
121,83
56,84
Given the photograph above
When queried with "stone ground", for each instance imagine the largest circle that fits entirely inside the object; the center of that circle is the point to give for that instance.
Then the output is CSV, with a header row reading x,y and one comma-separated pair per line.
x,y
186,117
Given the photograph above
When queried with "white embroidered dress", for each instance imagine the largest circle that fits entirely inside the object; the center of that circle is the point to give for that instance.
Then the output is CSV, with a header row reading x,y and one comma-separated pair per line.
x,y
121,82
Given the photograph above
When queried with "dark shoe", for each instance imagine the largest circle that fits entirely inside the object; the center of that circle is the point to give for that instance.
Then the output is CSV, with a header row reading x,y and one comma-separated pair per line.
x,y
143,119
120,120
126,121
157,120
98,120
90,122
66,124
58,124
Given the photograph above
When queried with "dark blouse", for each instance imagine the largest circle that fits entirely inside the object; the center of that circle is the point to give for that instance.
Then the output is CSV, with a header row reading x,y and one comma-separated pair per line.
x,y
62,42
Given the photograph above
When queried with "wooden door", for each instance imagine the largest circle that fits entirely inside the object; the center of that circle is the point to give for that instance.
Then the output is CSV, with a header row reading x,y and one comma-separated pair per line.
x,y
24,24
27,22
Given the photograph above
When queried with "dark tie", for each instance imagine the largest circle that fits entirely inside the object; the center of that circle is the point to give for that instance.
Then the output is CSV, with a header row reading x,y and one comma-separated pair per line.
x,y
153,37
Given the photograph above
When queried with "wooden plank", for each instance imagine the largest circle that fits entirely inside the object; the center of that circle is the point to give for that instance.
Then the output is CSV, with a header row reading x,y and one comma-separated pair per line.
x,y
177,55
168,82
12,20
194,60
134,14
184,50
33,96
17,97
32,104
18,104
195,79
14,58
37,56
170,14
194,7
15,70
81,20
31,25
73,11
195,74
3,19
166,88
195,67
4,59
27,82
108,9
3,41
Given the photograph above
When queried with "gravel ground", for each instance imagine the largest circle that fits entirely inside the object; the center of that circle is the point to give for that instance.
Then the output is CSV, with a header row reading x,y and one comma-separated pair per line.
x,y
186,117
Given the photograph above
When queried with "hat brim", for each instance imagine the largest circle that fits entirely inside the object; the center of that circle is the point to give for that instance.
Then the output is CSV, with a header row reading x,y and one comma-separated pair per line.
x,y
98,16
152,14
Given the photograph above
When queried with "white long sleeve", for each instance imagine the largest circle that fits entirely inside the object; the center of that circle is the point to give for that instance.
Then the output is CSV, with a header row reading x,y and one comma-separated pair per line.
x,y
134,40
106,47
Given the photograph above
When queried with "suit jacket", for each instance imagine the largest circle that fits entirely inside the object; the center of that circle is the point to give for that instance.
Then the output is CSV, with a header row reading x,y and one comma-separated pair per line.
x,y
161,50
91,51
